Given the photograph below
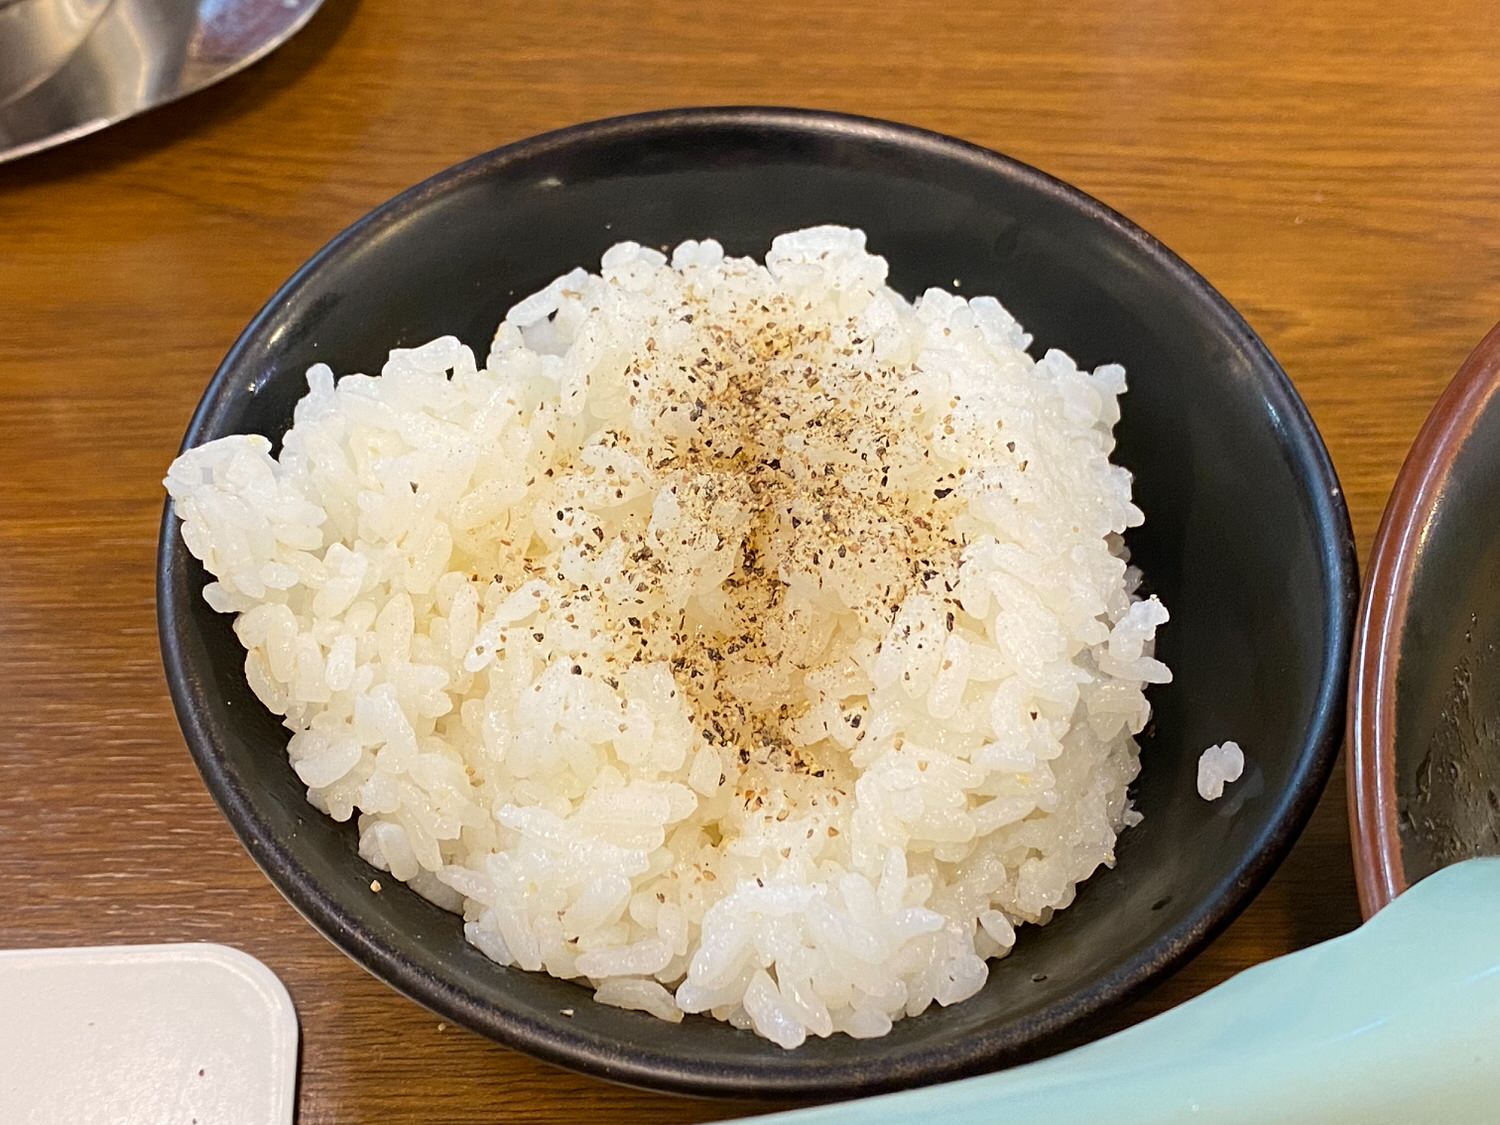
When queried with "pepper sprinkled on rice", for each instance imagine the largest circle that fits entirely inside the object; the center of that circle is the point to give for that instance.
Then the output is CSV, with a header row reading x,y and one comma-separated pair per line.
x,y
741,639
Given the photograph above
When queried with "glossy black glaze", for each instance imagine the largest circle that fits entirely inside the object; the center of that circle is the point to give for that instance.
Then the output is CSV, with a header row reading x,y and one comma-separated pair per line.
x,y
1247,540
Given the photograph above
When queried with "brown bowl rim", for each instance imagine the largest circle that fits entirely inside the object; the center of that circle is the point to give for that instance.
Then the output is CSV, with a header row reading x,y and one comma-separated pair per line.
x,y
1379,869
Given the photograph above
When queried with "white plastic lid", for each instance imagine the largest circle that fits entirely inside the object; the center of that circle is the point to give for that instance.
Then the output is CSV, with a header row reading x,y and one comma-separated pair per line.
x,y
190,1033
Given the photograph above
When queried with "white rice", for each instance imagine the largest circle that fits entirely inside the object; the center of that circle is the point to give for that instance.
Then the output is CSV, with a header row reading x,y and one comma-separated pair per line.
x,y
1217,767
740,639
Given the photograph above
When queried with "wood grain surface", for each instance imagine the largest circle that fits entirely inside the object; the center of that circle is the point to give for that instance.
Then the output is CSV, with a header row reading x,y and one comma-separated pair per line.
x,y
1333,168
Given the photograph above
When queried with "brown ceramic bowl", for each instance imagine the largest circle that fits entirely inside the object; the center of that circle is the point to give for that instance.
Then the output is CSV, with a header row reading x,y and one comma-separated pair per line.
x,y
1424,700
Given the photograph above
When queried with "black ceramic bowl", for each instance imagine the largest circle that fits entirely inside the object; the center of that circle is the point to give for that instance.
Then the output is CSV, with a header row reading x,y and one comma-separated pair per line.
x,y
1247,540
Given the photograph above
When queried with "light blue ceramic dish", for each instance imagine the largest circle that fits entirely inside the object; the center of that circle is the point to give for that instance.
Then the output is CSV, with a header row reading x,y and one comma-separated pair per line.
x,y
1393,1024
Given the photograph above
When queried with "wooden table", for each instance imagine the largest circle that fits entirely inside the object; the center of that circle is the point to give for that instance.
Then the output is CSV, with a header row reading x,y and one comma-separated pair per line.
x,y
1333,168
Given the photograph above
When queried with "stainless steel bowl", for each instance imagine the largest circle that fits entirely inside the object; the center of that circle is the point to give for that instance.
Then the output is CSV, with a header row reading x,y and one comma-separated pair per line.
x,y
38,36
69,68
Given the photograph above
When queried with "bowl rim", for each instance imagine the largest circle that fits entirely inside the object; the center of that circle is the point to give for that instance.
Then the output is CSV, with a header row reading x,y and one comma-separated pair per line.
x,y
1421,483
640,1064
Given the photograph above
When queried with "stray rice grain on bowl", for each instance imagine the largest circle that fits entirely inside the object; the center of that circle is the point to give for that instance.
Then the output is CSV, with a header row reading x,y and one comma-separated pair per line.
x,y
740,639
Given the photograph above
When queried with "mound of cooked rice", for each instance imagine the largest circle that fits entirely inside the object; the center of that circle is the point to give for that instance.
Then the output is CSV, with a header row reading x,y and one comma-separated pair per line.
x,y
741,639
